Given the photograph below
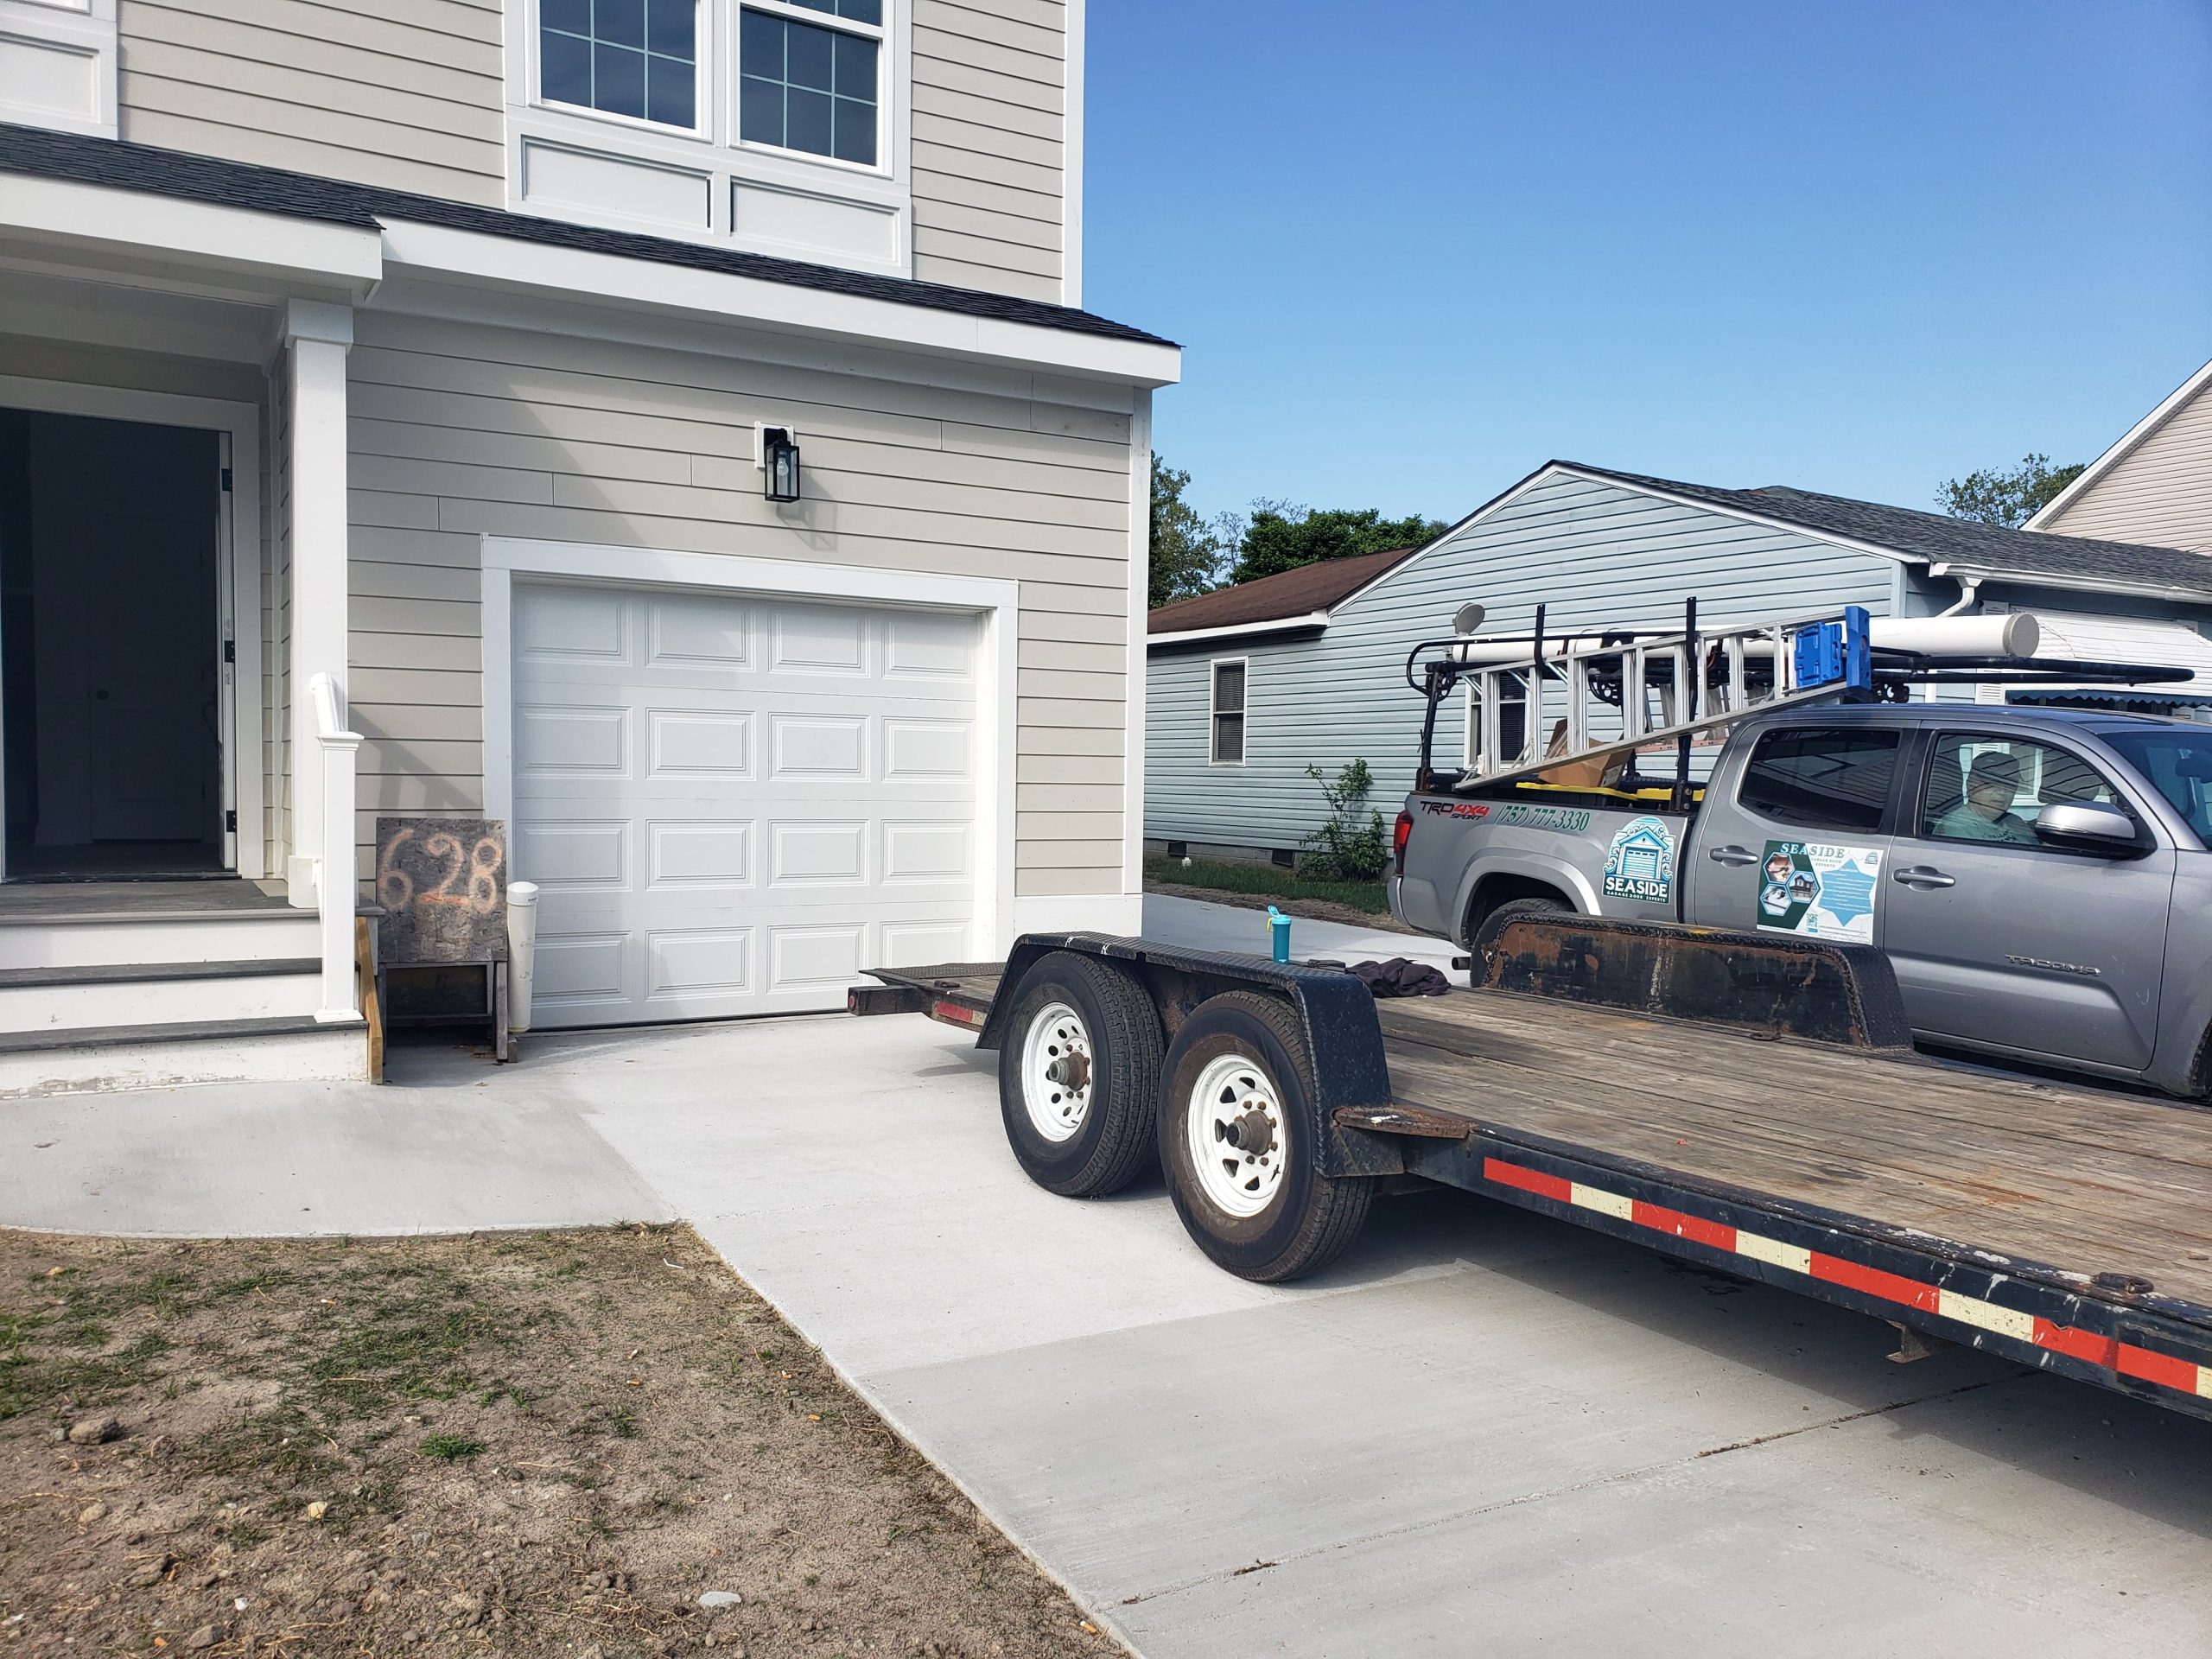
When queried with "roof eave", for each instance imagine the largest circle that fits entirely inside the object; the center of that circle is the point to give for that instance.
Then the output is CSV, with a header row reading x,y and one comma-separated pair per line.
x,y
2079,584
2135,435
1315,620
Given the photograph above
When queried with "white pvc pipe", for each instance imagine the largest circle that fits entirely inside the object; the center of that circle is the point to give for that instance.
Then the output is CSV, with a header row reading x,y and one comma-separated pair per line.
x,y
2005,633
521,951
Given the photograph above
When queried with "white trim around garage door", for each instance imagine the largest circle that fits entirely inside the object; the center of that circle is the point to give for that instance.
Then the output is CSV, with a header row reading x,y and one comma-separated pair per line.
x,y
240,424
997,603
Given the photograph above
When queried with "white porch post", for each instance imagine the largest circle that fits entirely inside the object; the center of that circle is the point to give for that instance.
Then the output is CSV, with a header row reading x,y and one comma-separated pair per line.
x,y
321,869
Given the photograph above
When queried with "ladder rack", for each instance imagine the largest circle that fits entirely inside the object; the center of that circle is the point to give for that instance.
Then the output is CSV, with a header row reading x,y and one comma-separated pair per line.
x,y
1585,697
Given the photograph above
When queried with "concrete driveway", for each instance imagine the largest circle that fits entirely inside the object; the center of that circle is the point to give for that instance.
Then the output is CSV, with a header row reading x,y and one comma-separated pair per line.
x,y
1483,1432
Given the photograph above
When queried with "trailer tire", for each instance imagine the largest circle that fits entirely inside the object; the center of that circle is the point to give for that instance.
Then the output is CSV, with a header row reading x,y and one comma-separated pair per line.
x,y
1089,1140
1264,1221
1483,945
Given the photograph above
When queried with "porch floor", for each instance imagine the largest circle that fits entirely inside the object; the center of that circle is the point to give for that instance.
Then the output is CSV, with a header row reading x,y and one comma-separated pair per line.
x,y
23,903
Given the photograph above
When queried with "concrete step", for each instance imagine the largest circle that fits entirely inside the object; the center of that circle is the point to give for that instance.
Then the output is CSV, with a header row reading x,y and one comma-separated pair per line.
x,y
102,1060
97,938
49,1000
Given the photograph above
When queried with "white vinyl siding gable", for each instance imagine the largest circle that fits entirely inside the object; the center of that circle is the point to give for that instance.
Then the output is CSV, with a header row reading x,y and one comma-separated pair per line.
x,y
1595,553
402,96
2159,492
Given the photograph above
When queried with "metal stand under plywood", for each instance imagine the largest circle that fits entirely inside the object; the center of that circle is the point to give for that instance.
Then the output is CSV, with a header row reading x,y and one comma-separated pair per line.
x,y
441,889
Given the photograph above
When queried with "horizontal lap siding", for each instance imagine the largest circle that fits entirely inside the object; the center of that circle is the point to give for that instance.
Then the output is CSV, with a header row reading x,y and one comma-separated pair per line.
x,y
1596,555
459,432
2160,492
405,94
990,93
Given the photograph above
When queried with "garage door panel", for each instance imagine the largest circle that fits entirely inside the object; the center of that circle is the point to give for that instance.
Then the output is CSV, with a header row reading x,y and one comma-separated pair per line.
x,y
735,803
700,743
807,746
699,853
551,738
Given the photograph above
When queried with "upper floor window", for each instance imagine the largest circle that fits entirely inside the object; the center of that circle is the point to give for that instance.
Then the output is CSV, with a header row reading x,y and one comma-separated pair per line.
x,y
1227,713
811,87
635,58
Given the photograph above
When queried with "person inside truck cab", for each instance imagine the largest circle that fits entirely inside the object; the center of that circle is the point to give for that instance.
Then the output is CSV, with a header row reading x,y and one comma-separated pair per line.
x,y
1985,810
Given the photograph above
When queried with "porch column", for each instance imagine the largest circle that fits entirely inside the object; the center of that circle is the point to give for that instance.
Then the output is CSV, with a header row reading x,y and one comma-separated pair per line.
x,y
320,871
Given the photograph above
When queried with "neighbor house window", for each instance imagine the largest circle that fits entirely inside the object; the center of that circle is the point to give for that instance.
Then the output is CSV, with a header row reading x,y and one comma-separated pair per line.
x,y
807,86
637,58
1229,713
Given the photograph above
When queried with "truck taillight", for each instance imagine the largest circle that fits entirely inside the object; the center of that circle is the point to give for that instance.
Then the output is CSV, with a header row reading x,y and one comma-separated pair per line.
x,y
1399,837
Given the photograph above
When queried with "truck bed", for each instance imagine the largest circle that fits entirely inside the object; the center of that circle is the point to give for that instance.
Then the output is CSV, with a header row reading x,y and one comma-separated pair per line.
x,y
1781,1159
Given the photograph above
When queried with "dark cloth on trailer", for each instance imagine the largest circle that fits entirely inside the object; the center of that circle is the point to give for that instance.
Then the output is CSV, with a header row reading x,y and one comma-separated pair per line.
x,y
1401,978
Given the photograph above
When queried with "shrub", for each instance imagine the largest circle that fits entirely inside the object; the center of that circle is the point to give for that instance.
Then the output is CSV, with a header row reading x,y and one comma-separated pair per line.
x,y
1349,845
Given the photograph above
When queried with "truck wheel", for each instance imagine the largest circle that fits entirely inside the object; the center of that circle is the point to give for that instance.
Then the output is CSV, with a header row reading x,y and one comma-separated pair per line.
x,y
1236,1140
1485,943
1079,1075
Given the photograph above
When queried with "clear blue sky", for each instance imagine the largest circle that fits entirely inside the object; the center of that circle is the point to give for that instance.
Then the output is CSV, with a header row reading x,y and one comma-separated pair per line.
x,y
1414,247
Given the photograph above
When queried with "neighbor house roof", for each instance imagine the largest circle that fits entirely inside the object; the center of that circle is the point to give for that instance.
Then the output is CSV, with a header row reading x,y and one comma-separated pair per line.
x,y
1956,546
1299,598
81,159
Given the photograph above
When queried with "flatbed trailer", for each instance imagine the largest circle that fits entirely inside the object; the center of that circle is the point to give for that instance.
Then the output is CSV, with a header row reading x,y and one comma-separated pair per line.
x,y
1749,1104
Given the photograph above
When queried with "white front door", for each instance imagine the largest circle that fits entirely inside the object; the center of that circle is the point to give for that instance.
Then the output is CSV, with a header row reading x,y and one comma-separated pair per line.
x,y
732,803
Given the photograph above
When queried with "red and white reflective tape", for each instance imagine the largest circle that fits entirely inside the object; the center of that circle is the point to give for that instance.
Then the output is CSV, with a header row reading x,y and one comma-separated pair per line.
x,y
2113,1355
956,1013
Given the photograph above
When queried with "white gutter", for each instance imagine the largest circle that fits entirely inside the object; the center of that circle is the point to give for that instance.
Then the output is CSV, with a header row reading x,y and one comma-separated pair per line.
x,y
1240,630
2086,584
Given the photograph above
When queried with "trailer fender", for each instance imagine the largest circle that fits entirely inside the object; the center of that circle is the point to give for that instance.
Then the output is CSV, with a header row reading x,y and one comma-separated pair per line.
x,y
1336,1013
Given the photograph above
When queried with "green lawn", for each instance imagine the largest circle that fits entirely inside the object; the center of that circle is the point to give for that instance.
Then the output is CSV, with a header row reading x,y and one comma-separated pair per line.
x,y
1267,881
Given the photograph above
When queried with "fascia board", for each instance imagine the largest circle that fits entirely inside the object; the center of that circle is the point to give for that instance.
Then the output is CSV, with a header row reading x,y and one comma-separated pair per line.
x,y
2072,584
136,223
608,279
1317,620
2142,429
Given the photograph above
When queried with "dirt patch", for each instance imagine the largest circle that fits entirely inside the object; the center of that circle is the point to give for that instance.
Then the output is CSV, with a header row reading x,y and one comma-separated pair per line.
x,y
1319,910
551,1443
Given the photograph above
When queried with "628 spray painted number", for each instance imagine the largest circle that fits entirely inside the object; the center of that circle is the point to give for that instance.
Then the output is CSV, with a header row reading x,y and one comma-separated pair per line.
x,y
479,863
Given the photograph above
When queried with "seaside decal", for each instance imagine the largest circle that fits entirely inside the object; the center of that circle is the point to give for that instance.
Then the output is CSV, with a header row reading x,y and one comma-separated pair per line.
x,y
1640,863
1819,889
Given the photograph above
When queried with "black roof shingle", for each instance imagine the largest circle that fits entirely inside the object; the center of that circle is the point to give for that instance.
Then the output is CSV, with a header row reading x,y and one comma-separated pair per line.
x,y
1989,549
122,165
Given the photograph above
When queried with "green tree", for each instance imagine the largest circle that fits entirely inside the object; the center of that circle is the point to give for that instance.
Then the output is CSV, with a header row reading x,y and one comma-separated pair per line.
x,y
1281,537
1186,551
2010,498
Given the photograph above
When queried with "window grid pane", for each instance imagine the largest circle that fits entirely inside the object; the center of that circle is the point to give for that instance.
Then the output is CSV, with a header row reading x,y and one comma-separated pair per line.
x,y
637,58
807,88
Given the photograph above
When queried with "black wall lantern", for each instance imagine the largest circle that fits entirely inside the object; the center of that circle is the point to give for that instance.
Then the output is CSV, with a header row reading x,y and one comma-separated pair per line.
x,y
780,461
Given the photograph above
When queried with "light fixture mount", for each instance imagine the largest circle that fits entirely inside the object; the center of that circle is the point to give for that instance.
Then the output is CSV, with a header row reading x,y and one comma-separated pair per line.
x,y
776,453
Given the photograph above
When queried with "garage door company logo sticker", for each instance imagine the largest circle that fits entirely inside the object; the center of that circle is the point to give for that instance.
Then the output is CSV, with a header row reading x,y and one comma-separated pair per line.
x,y
1819,889
1640,863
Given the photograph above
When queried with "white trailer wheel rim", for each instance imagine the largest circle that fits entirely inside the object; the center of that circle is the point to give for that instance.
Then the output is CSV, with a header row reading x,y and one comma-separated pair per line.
x,y
1057,1072
1237,1136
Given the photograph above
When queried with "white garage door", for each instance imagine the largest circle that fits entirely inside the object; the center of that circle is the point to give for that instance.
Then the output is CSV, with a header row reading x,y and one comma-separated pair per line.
x,y
734,804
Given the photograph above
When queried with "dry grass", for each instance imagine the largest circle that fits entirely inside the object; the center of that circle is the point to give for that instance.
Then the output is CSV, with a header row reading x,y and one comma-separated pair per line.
x,y
513,1444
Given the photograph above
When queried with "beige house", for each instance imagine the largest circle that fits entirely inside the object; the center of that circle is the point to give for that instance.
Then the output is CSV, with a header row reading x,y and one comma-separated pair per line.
x,y
2154,485
668,427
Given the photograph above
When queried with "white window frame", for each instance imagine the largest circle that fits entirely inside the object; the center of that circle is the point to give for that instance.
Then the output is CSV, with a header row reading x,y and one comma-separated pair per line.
x,y
1214,666
879,33
702,12
40,36
877,236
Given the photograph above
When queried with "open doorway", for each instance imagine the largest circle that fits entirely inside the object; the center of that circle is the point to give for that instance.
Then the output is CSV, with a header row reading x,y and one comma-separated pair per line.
x,y
111,648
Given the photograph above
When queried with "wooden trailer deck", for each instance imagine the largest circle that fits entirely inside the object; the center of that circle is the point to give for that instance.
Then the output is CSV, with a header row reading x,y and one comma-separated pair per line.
x,y
1941,1185
2083,1180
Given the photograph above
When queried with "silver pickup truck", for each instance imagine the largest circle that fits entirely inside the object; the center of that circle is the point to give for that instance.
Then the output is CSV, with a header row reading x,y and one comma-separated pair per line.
x,y
2039,877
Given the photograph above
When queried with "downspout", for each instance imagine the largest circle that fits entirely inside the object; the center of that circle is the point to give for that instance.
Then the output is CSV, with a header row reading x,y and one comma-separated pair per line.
x,y
1969,593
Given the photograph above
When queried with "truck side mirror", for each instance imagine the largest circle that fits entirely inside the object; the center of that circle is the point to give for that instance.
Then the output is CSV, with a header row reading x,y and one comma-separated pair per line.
x,y
2088,827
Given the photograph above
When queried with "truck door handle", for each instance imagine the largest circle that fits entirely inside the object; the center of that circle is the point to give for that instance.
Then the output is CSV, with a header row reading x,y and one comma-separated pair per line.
x,y
1921,875
1737,855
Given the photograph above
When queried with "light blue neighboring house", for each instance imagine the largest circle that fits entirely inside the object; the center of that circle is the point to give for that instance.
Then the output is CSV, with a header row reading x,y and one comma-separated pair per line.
x,y
1246,687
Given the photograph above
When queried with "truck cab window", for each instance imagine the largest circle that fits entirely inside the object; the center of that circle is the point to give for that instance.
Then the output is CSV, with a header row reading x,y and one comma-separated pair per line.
x,y
1820,778
1985,788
